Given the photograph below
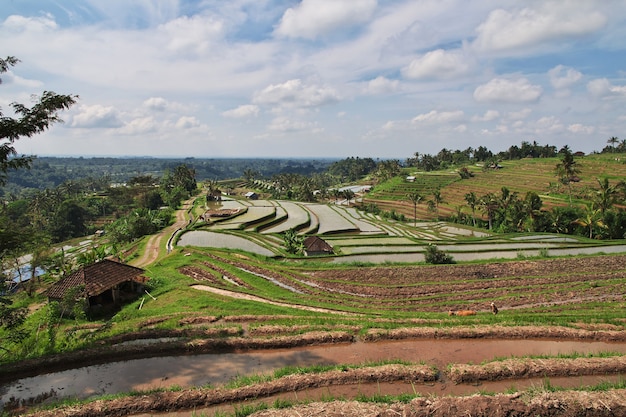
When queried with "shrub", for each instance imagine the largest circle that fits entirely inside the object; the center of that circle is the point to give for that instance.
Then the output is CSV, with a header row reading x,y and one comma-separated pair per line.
x,y
435,256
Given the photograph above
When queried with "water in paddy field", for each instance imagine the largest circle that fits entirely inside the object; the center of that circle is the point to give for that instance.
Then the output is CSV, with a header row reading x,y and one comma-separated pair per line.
x,y
215,369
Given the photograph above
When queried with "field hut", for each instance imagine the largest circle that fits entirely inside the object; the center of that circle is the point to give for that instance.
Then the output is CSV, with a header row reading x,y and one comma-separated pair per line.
x,y
106,284
251,195
314,245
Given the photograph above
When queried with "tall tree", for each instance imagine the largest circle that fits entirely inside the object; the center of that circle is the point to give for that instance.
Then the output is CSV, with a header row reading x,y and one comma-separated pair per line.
x,y
437,199
472,202
414,198
567,169
490,203
591,219
612,141
606,196
28,121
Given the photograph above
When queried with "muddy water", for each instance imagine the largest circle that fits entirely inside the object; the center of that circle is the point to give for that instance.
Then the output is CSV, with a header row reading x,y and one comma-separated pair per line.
x,y
197,370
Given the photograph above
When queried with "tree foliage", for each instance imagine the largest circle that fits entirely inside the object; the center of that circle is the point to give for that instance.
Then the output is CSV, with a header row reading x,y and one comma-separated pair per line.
x,y
28,122
293,243
434,255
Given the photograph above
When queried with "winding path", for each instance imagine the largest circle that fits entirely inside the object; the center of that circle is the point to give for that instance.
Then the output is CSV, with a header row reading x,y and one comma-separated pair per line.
x,y
152,252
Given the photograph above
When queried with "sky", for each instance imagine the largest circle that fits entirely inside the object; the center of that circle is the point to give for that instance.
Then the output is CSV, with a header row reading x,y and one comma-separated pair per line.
x,y
317,78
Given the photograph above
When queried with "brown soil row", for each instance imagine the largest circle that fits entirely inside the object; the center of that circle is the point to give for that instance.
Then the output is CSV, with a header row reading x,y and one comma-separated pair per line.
x,y
529,368
561,404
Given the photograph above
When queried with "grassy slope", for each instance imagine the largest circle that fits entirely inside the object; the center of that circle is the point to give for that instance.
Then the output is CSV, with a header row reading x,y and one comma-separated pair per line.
x,y
518,176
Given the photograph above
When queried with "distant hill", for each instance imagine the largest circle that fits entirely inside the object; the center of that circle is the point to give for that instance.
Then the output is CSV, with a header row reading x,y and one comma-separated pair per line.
x,y
49,172
521,176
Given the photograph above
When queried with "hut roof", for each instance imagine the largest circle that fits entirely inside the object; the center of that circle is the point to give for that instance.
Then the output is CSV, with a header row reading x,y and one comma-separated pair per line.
x,y
317,244
97,278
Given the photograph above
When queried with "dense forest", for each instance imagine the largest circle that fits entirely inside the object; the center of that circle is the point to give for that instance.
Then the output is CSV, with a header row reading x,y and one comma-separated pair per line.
x,y
50,172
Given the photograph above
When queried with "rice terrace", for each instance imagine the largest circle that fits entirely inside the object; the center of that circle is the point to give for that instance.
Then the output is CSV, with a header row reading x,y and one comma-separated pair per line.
x,y
273,307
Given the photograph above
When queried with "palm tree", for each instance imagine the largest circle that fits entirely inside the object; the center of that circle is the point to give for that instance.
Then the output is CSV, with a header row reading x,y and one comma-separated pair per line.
x,y
612,141
437,199
606,196
591,219
567,170
348,194
472,202
489,203
414,198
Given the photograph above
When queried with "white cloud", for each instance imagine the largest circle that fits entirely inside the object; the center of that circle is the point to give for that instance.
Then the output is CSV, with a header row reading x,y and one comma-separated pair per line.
x,y
246,110
97,116
506,30
140,126
435,116
156,103
30,24
508,91
548,124
602,87
187,122
563,77
580,128
10,78
294,93
381,85
191,35
438,64
313,18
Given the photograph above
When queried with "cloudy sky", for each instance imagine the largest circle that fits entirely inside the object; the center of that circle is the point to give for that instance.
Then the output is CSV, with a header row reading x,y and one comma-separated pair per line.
x,y
318,78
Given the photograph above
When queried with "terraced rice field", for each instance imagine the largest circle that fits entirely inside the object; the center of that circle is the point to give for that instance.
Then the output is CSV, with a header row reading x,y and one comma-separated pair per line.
x,y
364,237
560,286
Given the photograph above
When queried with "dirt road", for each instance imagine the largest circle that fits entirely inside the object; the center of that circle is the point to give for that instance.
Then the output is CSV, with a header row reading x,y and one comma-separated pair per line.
x,y
152,251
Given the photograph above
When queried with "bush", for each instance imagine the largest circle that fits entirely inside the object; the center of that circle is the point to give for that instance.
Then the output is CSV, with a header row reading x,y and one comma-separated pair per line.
x,y
435,256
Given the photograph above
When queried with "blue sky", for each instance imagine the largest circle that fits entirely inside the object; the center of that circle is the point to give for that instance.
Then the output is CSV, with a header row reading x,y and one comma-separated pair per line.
x,y
318,78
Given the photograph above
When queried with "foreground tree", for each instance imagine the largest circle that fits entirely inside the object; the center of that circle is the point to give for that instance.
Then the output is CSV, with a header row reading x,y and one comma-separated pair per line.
x,y
28,122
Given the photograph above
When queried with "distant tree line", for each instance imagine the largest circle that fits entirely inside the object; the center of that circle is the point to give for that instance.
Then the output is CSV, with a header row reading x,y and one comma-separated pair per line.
x,y
50,172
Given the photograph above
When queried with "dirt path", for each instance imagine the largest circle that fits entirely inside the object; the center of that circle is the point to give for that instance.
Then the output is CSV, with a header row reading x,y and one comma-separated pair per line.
x,y
152,252
249,297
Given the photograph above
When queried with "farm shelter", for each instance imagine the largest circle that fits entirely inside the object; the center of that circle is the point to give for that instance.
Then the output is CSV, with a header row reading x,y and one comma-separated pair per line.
x,y
107,283
251,195
314,245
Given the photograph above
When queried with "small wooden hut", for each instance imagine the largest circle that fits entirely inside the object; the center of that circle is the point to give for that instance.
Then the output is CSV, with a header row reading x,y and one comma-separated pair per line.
x,y
106,283
314,245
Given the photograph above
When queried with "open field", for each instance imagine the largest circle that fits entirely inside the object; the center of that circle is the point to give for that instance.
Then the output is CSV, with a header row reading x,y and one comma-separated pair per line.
x,y
265,304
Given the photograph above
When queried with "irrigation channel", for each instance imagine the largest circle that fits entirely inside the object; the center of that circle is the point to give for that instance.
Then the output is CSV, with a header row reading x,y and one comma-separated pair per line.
x,y
216,369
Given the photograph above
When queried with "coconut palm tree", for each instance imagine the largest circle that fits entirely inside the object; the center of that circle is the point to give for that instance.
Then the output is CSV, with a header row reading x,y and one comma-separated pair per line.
x,y
472,202
414,198
591,219
490,203
612,141
606,196
437,199
567,169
